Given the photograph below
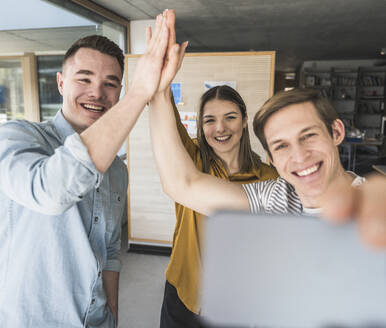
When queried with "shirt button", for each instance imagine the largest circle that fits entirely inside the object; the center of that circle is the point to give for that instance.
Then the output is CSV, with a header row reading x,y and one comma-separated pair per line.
x,y
99,274
96,219
92,301
80,196
97,189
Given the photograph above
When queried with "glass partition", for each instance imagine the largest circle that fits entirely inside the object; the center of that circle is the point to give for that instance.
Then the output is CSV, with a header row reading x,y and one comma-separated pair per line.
x,y
28,88
11,89
49,96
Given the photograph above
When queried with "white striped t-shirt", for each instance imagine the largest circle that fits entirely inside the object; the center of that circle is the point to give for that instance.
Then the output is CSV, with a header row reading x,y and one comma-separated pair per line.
x,y
279,197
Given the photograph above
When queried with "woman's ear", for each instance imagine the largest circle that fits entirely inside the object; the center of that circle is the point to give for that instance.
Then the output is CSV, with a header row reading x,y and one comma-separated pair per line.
x,y
338,132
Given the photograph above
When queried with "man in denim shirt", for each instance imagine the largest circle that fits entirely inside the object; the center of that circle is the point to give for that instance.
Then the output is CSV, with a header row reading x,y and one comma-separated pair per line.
x,y
63,189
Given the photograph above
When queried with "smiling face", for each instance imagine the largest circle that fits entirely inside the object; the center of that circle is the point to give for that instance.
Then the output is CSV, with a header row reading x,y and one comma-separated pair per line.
x,y
303,151
223,127
90,85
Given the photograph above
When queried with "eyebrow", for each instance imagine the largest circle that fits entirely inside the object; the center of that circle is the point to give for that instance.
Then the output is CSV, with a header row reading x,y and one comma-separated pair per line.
x,y
114,78
233,112
109,77
301,132
84,71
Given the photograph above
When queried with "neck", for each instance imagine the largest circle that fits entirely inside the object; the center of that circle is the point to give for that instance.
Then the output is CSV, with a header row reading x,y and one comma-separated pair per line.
x,y
231,160
76,128
341,178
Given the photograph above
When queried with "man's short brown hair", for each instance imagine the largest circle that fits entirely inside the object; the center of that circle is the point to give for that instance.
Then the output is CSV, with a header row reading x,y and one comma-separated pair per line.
x,y
100,43
283,99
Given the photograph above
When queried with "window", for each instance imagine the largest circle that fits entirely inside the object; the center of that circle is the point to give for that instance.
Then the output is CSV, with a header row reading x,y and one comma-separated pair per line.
x,y
49,96
11,89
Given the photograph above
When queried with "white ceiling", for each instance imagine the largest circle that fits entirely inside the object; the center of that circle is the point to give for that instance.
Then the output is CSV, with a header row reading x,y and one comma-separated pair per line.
x,y
16,15
42,40
298,30
49,29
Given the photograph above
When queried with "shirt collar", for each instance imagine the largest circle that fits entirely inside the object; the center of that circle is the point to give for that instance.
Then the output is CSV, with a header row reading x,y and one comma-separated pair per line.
x,y
63,128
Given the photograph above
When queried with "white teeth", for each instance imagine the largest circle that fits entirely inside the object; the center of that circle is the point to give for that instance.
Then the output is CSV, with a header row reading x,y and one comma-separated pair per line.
x,y
222,138
308,171
93,107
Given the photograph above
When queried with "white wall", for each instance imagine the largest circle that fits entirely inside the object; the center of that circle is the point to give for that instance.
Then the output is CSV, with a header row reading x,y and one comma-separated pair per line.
x,y
138,35
113,34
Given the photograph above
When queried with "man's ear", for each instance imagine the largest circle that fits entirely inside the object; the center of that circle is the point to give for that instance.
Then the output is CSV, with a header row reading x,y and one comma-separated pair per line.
x,y
59,81
338,132
270,160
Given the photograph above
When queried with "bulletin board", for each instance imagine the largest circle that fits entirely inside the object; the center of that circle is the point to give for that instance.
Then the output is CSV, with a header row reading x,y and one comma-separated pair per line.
x,y
151,213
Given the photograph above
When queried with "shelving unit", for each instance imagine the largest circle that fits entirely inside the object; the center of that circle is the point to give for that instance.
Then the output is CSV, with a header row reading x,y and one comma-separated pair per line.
x,y
344,93
320,80
358,95
371,100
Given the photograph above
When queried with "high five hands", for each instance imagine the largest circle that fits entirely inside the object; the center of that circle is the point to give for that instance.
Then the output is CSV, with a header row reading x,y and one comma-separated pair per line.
x,y
163,57
174,53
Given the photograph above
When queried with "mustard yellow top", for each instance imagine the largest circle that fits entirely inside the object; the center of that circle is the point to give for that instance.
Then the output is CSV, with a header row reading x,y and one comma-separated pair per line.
x,y
184,268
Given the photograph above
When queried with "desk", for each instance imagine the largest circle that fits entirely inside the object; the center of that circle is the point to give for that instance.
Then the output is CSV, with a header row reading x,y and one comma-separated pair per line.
x,y
380,168
352,149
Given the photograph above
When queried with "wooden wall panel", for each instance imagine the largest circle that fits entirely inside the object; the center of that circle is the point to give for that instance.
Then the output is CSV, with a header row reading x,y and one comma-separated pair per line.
x,y
30,87
151,213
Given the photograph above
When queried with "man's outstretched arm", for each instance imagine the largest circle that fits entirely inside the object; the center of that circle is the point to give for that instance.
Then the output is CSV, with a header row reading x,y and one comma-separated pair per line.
x,y
104,138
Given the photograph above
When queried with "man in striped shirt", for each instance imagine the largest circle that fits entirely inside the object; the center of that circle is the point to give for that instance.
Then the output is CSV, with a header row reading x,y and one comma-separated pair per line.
x,y
300,131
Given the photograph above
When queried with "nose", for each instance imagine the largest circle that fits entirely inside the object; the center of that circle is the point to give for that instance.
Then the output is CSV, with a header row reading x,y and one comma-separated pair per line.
x,y
299,153
97,92
220,126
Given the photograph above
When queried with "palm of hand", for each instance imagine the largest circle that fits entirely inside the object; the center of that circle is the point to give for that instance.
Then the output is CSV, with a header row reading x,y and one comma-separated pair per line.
x,y
147,74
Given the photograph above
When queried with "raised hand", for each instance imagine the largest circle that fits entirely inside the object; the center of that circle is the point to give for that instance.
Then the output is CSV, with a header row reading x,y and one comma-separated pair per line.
x,y
174,54
147,75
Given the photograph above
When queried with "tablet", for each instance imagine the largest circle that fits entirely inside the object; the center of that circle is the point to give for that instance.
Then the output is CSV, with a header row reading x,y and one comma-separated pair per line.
x,y
290,271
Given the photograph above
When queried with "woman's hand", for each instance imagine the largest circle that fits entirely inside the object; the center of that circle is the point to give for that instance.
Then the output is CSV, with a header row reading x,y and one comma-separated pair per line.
x,y
147,74
174,53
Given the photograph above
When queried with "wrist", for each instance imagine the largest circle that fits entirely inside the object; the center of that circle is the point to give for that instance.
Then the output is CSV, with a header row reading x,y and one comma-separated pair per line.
x,y
136,95
162,96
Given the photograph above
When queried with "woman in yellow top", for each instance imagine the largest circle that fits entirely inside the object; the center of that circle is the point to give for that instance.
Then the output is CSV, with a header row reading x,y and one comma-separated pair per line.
x,y
222,149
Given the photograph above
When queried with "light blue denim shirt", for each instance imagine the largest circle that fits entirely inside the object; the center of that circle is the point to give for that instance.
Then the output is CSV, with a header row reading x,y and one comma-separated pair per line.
x,y
60,225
